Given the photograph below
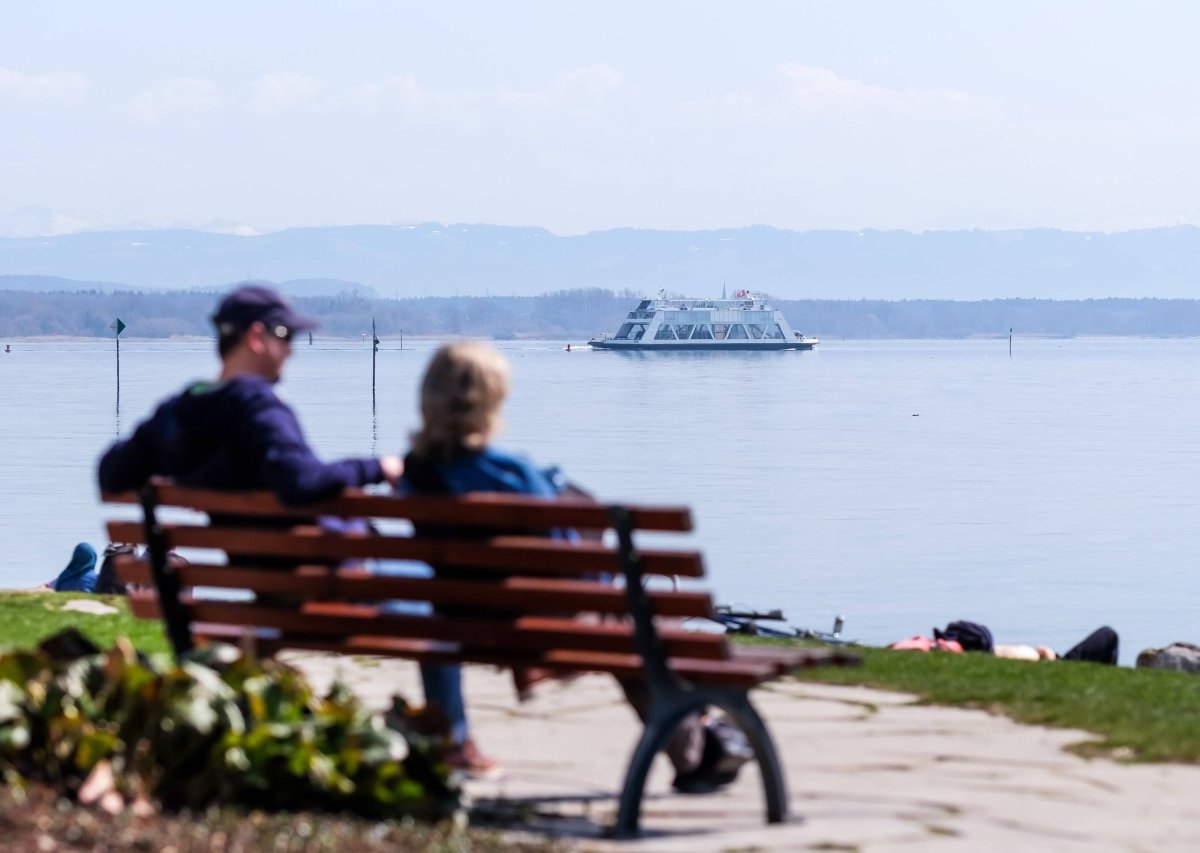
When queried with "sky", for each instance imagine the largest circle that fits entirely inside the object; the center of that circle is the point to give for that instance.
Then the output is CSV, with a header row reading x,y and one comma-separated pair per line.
x,y
582,116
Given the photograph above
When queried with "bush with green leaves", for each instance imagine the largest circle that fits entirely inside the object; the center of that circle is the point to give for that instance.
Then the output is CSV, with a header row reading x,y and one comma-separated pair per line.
x,y
218,727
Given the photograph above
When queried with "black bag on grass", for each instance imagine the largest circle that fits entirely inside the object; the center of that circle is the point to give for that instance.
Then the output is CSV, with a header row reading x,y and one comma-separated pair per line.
x,y
972,636
107,582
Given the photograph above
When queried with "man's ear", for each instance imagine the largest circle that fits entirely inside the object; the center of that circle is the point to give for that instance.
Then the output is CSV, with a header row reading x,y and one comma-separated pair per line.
x,y
254,337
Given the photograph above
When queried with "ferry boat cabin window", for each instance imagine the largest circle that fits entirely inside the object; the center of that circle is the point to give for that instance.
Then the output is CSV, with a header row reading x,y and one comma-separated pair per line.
x,y
737,332
720,330
755,330
664,333
683,332
623,332
703,332
774,333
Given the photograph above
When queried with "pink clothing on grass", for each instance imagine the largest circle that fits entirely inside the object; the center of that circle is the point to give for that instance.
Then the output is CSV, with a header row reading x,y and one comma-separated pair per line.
x,y
927,644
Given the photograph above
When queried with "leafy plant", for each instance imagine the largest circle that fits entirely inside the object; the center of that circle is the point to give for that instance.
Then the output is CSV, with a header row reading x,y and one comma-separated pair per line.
x,y
219,727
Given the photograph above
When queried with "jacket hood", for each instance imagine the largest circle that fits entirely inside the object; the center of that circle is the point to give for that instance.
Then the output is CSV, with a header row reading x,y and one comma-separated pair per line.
x,y
79,575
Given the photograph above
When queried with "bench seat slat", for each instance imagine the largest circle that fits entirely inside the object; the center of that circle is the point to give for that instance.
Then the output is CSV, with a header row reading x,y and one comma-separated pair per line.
x,y
734,673
522,634
537,594
789,660
504,553
501,511
743,670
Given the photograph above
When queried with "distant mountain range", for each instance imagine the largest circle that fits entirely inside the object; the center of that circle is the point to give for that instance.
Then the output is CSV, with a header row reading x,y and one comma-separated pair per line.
x,y
446,260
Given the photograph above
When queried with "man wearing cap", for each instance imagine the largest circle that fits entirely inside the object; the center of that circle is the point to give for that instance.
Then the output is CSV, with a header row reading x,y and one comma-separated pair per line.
x,y
236,433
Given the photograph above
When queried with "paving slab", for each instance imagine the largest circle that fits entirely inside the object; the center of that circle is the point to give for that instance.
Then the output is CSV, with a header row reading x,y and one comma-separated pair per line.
x,y
867,770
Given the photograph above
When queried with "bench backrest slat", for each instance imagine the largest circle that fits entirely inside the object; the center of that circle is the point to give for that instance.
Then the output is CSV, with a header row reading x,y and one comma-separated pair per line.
x,y
508,553
511,512
535,594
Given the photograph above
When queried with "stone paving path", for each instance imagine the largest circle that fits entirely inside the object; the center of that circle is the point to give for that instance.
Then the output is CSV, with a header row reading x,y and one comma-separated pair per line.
x,y
867,770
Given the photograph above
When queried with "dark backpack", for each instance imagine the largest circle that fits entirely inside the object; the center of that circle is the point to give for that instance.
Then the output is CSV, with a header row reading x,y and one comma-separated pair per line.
x,y
107,582
972,636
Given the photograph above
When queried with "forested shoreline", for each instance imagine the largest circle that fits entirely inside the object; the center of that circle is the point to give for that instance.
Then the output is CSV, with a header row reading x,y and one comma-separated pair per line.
x,y
579,314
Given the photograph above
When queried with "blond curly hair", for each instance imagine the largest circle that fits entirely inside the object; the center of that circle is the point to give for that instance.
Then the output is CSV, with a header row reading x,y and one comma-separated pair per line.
x,y
461,394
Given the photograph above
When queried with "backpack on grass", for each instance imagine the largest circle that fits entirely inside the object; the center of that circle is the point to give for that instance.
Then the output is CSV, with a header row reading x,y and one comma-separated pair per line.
x,y
972,636
107,582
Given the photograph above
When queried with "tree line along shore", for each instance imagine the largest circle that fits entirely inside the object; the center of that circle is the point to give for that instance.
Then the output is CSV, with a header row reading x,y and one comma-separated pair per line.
x,y
582,313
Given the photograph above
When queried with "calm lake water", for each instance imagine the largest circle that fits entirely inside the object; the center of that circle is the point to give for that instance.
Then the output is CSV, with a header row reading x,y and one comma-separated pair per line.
x,y
904,484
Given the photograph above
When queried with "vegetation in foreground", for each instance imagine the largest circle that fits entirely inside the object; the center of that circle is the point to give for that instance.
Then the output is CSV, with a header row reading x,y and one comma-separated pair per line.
x,y
40,820
1136,714
67,712
121,729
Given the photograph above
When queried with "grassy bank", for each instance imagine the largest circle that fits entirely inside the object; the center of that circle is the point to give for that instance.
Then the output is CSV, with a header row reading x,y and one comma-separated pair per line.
x,y
1140,714
27,618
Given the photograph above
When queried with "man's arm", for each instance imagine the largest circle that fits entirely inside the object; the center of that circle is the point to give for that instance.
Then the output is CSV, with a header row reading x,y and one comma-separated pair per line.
x,y
295,473
129,464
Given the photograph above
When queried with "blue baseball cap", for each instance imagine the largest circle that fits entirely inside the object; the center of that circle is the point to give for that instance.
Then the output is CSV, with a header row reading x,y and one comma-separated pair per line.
x,y
251,303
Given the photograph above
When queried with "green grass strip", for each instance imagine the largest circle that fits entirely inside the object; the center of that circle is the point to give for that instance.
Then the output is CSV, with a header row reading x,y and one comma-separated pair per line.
x,y
27,618
1137,714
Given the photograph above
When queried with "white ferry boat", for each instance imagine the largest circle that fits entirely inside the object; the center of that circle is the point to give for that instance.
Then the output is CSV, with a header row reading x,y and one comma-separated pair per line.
x,y
745,322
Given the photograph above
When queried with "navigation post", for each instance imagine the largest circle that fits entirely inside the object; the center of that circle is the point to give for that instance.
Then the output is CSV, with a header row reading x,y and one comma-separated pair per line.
x,y
374,349
118,327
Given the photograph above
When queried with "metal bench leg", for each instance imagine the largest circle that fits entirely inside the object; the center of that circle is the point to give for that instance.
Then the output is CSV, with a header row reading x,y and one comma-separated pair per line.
x,y
659,728
166,580
755,729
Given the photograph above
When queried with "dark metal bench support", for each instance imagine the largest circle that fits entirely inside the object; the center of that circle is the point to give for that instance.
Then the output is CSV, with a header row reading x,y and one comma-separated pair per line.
x,y
666,714
672,700
166,579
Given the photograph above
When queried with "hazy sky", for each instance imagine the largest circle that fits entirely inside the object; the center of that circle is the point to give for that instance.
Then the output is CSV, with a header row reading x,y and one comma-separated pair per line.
x,y
587,115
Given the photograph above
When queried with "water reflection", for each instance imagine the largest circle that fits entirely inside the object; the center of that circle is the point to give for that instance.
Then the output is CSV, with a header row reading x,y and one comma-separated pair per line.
x,y
374,426
704,356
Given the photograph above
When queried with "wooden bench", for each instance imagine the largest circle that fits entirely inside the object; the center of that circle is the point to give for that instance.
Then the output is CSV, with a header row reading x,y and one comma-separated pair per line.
x,y
518,605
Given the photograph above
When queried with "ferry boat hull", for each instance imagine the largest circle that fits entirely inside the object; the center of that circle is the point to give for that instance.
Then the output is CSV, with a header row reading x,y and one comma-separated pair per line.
x,y
663,346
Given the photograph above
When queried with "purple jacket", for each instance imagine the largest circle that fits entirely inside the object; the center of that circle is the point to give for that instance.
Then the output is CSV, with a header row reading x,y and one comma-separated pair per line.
x,y
231,435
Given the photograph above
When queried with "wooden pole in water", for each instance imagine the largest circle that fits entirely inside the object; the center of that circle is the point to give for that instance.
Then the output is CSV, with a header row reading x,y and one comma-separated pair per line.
x,y
374,349
1010,342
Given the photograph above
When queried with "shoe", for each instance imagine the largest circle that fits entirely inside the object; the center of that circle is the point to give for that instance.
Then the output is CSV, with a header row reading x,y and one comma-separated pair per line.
x,y
465,759
525,677
726,749
703,780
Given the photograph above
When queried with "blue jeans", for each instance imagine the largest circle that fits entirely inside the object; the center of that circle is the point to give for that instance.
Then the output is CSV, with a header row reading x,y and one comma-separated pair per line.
x,y
442,682
443,688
